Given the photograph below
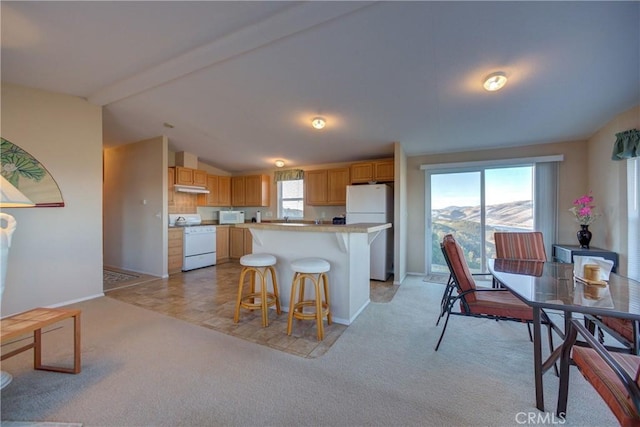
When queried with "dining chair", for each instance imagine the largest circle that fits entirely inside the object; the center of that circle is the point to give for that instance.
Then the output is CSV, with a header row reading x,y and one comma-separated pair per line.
x,y
522,245
473,301
624,331
613,375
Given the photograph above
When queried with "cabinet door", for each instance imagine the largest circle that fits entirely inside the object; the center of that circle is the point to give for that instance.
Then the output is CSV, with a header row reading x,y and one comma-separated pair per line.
x,y
222,244
256,190
237,191
383,171
210,199
236,242
171,179
361,173
316,187
248,241
184,176
224,191
175,250
337,181
199,177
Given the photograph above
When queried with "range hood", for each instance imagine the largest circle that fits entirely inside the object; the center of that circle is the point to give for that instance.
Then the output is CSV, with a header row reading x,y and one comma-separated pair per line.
x,y
190,189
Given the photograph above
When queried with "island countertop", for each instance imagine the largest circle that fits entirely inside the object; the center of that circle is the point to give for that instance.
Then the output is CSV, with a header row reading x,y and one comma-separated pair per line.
x,y
345,246
318,228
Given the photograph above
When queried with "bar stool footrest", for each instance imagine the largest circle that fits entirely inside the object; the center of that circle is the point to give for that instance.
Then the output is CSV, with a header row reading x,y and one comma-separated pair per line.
x,y
308,315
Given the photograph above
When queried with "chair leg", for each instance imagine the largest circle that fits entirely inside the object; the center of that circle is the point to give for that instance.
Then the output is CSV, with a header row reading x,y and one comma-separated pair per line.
x,y
319,322
325,280
444,328
529,329
275,289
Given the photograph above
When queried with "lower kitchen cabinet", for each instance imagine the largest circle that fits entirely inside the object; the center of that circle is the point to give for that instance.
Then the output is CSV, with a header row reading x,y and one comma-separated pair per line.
x,y
240,242
222,244
175,250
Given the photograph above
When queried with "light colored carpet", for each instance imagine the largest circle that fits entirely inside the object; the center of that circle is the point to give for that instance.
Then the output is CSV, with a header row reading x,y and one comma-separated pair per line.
x,y
142,368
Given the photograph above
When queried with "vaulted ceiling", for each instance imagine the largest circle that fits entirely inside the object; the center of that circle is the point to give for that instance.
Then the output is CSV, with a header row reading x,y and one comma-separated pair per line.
x,y
240,81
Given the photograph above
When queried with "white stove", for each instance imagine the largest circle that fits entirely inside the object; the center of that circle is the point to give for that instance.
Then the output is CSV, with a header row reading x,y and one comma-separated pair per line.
x,y
199,241
180,220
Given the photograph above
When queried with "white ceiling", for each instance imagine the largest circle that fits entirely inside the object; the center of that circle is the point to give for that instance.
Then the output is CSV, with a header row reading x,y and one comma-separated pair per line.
x,y
241,81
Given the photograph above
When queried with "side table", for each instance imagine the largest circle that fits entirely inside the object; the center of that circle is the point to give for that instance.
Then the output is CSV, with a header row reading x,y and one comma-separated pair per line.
x,y
565,253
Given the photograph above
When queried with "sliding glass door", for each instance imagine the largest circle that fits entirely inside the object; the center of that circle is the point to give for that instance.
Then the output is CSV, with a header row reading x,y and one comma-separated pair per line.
x,y
472,204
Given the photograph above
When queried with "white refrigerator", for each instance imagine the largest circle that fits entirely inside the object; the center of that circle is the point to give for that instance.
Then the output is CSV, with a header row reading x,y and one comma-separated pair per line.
x,y
374,204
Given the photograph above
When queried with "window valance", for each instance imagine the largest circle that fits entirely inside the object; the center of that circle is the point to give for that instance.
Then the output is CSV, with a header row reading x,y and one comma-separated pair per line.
x,y
627,145
288,175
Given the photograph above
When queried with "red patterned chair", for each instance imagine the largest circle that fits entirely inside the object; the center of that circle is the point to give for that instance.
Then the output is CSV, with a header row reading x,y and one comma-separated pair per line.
x,y
521,245
527,246
613,375
488,303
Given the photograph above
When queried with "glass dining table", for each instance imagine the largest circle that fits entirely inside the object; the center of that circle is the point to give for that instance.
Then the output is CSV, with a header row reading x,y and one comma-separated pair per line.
x,y
552,286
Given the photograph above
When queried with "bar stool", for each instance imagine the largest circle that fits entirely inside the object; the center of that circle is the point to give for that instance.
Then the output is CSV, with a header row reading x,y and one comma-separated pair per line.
x,y
314,269
257,264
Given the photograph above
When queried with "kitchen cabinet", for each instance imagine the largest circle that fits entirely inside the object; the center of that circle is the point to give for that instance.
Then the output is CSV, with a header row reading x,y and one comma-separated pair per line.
x,y
219,191
250,190
240,242
188,176
175,250
327,186
171,179
222,244
224,191
375,170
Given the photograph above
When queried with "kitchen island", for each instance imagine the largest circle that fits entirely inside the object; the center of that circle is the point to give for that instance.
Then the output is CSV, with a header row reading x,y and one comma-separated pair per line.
x,y
346,247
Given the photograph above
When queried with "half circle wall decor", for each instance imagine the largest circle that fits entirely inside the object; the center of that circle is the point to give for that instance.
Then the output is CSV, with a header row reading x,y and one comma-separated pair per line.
x,y
29,176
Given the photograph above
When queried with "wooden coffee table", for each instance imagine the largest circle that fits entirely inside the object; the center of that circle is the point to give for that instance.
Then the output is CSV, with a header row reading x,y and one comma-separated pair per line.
x,y
33,321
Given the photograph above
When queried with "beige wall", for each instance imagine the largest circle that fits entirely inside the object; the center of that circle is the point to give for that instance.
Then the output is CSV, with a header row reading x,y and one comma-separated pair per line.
x,y
56,253
572,177
135,206
400,216
608,181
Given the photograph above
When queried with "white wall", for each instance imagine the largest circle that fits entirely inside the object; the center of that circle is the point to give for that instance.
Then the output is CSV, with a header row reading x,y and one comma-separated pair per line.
x,y
135,206
56,253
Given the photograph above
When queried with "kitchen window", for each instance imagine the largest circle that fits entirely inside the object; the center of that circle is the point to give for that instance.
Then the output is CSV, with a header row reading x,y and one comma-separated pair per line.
x,y
291,199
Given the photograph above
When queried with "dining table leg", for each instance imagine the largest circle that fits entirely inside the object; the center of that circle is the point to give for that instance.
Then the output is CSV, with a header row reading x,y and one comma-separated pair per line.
x,y
537,357
565,358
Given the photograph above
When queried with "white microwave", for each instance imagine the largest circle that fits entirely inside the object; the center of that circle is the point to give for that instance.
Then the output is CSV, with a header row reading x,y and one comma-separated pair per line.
x,y
231,217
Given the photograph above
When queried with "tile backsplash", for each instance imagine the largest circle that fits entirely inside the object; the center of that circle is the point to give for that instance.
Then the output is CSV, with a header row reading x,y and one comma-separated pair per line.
x,y
184,203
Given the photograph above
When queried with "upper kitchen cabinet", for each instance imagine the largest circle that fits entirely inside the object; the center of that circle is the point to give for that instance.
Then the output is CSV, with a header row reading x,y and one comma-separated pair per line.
x,y
375,170
188,176
171,179
250,190
219,191
326,186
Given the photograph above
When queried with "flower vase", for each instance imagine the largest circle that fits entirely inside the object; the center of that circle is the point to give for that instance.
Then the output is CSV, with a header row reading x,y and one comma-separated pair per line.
x,y
584,236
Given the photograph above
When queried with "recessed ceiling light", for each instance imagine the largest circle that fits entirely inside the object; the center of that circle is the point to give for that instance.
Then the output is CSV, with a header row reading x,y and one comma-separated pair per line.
x,y
318,122
279,163
495,81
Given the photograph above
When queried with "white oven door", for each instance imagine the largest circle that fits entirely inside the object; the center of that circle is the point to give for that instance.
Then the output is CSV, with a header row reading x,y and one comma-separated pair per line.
x,y
196,243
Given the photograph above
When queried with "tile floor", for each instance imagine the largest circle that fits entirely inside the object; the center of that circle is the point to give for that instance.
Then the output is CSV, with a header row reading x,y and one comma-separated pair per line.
x,y
206,297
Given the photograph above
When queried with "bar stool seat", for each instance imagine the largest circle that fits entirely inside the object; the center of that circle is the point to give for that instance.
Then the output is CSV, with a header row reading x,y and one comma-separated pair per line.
x,y
262,266
314,269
